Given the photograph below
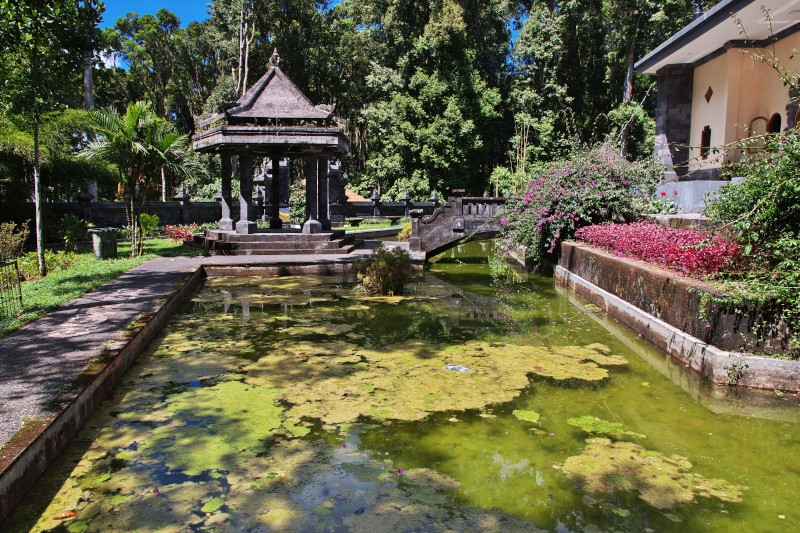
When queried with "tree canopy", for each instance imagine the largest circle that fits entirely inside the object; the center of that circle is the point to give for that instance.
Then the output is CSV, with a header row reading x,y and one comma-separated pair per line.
x,y
434,94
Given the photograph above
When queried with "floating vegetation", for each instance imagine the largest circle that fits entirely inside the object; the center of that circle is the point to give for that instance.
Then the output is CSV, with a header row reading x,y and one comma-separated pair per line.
x,y
528,416
592,424
663,482
338,383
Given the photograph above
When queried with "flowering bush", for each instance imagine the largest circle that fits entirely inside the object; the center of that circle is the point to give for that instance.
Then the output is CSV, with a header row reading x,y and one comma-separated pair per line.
x,y
181,233
693,253
590,187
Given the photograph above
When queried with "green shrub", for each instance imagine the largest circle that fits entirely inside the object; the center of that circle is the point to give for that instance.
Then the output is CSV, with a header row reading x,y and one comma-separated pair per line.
x,y
29,263
74,230
12,239
762,213
149,224
405,233
385,272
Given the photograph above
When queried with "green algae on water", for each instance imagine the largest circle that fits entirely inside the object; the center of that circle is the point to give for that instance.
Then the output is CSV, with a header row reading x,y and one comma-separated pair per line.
x,y
663,482
592,424
528,416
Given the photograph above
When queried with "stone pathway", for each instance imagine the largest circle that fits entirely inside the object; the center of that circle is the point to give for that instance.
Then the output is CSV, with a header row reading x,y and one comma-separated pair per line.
x,y
49,353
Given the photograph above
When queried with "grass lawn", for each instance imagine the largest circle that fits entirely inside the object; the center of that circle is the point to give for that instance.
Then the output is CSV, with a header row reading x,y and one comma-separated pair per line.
x,y
41,296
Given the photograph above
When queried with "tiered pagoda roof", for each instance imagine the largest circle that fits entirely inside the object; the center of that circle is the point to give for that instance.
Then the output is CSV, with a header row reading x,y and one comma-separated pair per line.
x,y
272,116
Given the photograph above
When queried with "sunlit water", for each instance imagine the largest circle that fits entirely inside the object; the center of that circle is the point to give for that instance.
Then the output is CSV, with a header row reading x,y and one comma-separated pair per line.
x,y
294,404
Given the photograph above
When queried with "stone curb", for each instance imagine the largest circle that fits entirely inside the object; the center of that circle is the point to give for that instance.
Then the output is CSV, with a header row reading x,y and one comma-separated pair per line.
x,y
28,454
376,233
716,365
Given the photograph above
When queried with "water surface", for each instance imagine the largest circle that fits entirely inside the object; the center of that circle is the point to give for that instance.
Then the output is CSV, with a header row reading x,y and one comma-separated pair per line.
x,y
294,404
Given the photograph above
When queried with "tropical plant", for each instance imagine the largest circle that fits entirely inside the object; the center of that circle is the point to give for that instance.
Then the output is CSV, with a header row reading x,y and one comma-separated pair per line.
x,y
74,231
140,144
149,224
12,239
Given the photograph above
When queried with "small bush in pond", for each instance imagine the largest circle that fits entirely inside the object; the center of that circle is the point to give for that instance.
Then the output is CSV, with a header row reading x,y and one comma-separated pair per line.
x,y
385,272
29,263
693,253
12,239
405,233
74,231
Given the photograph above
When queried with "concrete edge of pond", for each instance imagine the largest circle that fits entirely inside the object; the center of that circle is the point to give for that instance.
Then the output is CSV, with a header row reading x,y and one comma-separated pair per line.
x,y
30,452
376,233
718,366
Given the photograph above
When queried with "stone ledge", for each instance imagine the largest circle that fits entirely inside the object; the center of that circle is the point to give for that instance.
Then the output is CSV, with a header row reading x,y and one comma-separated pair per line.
x,y
712,363
690,305
28,454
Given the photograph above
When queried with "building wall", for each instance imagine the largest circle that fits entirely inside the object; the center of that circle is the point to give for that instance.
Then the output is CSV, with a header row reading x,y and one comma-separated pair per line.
x,y
744,88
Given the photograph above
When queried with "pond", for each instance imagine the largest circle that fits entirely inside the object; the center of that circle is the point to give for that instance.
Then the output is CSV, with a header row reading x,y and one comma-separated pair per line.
x,y
483,400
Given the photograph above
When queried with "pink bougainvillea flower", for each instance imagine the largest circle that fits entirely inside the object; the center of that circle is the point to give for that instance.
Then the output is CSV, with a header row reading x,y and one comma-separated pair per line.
x,y
399,470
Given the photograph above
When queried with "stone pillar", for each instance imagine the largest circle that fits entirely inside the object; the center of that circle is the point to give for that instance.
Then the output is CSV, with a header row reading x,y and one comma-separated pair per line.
x,y
322,192
674,118
275,221
184,199
226,196
310,170
246,222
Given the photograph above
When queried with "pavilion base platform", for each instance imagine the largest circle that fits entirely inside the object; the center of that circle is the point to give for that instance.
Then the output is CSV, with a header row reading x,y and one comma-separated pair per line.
x,y
278,242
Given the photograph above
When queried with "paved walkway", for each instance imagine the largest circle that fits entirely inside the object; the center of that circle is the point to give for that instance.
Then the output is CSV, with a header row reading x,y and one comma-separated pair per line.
x,y
49,353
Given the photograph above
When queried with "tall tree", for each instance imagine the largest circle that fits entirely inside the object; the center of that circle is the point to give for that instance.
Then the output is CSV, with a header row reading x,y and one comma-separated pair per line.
x,y
54,38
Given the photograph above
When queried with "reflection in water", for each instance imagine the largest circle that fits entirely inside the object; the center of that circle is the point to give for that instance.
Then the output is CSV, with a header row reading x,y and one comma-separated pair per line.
x,y
294,404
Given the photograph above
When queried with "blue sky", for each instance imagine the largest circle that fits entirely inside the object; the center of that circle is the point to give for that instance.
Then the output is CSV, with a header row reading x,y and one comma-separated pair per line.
x,y
187,10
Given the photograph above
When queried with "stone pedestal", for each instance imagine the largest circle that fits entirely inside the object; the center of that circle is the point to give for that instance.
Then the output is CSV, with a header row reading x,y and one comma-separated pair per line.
x,y
246,222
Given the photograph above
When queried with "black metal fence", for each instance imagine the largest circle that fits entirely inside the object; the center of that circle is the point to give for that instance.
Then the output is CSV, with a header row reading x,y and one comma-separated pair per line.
x,y
10,289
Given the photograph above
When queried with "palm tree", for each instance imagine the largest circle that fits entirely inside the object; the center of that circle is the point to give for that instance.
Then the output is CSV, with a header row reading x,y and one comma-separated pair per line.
x,y
140,144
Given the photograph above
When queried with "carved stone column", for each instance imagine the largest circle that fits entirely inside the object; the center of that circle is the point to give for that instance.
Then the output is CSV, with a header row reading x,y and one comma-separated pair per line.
x,y
311,170
226,222
246,222
275,221
322,192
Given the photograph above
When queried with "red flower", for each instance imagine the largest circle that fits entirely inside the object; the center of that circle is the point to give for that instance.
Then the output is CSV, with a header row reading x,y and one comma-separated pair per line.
x,y
663,193
676,192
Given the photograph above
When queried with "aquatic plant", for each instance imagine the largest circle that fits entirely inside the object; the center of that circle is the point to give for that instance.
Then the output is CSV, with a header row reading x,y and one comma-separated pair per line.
x,y
592,424
663,482
385,272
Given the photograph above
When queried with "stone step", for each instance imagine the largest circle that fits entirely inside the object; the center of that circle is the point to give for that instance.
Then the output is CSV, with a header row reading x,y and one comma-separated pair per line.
x,y
273,236
288,247
297,251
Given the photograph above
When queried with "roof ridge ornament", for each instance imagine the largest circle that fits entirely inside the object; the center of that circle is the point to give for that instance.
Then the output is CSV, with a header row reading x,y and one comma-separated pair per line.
x,y
275,59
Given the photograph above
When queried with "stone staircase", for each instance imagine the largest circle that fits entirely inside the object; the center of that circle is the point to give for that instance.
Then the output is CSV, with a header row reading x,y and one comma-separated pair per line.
x,y
277,242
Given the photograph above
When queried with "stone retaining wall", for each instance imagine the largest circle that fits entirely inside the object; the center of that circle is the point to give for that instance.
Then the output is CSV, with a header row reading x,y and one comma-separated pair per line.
x,y
666,309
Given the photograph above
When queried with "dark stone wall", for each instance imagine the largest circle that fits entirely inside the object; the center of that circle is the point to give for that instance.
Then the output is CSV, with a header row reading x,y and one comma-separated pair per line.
x,y
687,304
674,115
